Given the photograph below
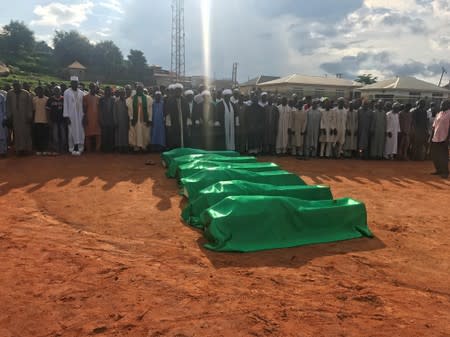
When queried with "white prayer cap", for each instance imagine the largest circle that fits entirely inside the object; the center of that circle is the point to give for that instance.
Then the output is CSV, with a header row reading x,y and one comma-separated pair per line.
x,y
188,92
236,90
171,86
158,93
178,86
74,78
264,93
227,92
206,93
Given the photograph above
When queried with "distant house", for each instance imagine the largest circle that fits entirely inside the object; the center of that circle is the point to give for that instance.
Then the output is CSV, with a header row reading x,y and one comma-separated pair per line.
x,y
77,69
405,89
250,85
312,86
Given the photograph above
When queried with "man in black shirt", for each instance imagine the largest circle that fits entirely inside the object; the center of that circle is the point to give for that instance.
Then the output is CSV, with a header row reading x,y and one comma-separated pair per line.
x,y
58,127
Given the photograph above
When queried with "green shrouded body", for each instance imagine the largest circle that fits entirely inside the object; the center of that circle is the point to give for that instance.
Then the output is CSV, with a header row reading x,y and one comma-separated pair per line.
x,y
200,158
252,223
189,169
192,185
168,156
215,193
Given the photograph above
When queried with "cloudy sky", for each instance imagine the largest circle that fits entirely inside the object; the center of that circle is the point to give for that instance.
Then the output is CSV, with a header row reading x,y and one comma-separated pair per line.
x,y
382,37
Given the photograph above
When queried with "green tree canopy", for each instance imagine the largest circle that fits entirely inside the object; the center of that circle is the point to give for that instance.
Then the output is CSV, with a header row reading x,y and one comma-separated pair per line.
x,y
16,41
71,46
366,79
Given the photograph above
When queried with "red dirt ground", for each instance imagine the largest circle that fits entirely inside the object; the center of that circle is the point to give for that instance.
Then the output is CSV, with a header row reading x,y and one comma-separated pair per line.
x,y
93,246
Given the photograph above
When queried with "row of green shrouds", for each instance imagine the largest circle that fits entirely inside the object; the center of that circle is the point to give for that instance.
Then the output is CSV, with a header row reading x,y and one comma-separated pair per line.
x,y
244,205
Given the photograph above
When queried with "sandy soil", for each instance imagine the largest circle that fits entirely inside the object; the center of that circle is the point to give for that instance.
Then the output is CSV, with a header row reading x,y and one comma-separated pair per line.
x,y
94,246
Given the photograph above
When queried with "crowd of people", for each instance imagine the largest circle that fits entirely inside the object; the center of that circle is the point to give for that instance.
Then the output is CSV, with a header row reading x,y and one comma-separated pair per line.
x,y
56,119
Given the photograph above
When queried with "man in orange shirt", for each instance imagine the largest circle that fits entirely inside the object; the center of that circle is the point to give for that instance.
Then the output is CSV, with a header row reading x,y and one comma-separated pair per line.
x,y
92,119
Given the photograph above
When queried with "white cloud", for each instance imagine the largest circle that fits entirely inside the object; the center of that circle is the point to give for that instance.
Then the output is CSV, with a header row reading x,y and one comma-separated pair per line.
x,y
57,14
114,5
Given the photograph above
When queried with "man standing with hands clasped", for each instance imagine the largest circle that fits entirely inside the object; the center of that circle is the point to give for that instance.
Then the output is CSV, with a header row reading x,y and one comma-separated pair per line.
x,y
440,139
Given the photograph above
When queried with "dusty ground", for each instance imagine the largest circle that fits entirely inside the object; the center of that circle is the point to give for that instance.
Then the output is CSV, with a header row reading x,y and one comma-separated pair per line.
x,y
94,246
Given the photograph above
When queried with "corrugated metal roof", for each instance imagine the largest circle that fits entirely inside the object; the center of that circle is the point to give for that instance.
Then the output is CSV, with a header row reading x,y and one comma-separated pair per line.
x,y
76,65
312,80
404,83
258,80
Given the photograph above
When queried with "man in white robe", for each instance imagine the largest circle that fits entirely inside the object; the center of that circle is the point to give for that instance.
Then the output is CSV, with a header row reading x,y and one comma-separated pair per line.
x,y
226,114
74,115
351,132
392,131
328,129
284,121
140,111
341,115
299,122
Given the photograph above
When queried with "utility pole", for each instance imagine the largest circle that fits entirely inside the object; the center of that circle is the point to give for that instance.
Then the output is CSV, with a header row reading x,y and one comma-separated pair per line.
x,y
442,75
177,63
234,74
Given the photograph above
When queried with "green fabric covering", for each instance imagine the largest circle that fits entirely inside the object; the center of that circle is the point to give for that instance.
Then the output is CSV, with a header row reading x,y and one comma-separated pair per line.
x,y
182,151
215,193
192,185
177,162
251,223
189,169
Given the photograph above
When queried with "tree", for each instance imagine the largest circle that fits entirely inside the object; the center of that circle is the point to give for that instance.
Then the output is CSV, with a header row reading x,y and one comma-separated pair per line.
x,y
366,79
107,60
16,42
71,46
137,64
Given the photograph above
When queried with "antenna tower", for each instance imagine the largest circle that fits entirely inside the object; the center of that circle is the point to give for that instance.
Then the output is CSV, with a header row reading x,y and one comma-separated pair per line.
x,y
177,58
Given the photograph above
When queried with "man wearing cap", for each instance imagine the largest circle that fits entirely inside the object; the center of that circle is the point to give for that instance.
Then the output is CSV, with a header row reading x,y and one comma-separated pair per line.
x,y
235,98
284,120
351,131
74,115
189,96
106,107
313,129
392,131
378,131
176,115
141,118
121,122
227,120
328,128
341,115
255,128
299,122
58,133
92,128
203,123
364,127
271,116
19,111
420,130
158,125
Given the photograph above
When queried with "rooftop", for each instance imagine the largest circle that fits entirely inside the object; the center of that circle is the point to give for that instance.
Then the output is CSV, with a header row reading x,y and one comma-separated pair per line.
x,y
258,80
76,65
312,80
404,83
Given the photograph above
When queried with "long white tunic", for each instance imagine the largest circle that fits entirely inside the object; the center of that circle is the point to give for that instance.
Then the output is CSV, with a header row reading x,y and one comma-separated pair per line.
x,y
392,126
229,126
341,122
283,126
328,122
299,122
73,109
